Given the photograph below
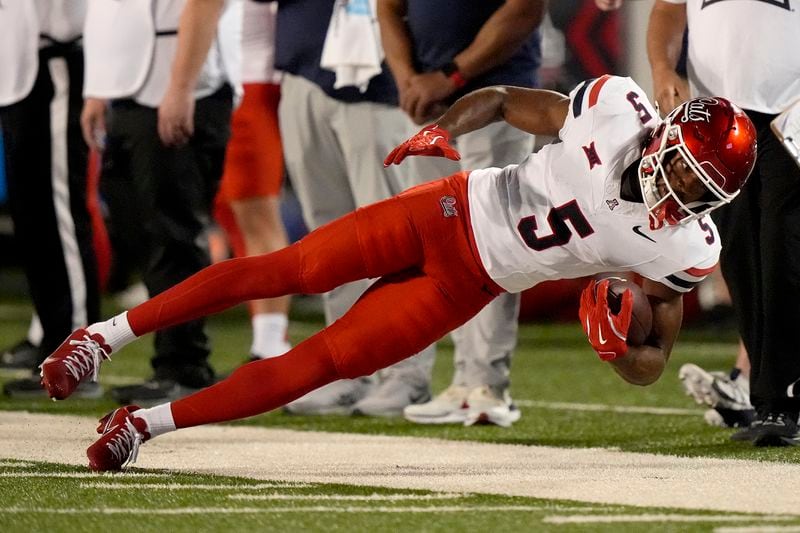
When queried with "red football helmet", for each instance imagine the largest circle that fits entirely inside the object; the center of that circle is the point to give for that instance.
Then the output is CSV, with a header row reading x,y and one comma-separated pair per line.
x,y
716,139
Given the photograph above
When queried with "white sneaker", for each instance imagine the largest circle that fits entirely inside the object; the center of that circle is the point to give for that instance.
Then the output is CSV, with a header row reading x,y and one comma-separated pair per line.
x,y
335,398
485,407
449,407
715,389
391,396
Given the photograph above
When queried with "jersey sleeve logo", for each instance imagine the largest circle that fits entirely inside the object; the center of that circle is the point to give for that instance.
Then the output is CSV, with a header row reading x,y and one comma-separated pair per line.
x,y
591,155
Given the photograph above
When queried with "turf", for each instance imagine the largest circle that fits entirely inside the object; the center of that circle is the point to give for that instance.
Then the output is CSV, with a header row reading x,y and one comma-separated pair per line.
x,y
553,363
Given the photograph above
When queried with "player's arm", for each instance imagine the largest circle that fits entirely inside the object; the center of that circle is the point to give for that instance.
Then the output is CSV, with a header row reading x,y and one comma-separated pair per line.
x,y
536,111
643,365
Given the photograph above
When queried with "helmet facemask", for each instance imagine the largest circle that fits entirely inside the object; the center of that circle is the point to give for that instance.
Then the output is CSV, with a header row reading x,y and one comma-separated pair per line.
x,y
668,208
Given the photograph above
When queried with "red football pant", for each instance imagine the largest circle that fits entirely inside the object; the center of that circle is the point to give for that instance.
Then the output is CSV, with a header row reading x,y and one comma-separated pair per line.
x,y
420,245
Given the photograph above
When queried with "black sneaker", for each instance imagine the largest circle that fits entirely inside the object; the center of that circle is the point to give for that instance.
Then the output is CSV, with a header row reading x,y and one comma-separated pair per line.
x,y
151,392
28,388
24,354
778,429
748,433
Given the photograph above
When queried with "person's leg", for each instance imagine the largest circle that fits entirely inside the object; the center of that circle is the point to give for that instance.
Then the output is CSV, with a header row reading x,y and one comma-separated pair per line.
x,y
46,170
777,363
484,345
368,132
251,187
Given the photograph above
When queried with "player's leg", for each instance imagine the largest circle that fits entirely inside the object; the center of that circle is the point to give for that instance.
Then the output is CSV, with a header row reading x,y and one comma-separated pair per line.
x,y
368,243
395,318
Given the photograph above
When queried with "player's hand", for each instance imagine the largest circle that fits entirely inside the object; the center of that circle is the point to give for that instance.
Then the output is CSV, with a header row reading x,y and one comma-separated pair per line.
x,y
176,117
430,140
607,332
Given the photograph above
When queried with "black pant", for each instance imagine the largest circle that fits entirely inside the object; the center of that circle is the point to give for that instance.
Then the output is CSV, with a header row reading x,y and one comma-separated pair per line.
x,y
160,201
46,162
761,265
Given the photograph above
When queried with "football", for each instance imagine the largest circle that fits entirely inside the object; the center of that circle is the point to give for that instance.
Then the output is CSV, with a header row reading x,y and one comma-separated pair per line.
x,y
642,316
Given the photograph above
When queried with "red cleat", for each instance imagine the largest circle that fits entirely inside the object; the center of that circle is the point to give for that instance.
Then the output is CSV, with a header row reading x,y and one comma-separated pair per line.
x,y
77,358
122,434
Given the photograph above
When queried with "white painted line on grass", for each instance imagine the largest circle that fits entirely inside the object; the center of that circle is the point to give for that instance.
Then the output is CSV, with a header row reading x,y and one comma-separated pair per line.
x,y
569,406
81,475
10,464
146,511
758,529
630,518
188,486
347,497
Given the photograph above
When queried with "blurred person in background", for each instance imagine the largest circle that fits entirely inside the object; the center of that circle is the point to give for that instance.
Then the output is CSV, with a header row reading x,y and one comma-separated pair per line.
x,y
163,144
728,44
46,159
438,50
247,205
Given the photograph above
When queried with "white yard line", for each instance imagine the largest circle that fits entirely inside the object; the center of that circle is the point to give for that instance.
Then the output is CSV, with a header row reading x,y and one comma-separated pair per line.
x,y
580,474
190,486
758,529
78,475
348,497
569,406
146,511
660,518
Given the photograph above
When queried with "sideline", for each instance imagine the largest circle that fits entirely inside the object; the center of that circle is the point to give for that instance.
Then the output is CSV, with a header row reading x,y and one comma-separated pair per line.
x,y
592,475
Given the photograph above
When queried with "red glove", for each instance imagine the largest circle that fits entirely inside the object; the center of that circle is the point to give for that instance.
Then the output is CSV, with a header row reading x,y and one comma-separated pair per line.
x,y
430,140
607,332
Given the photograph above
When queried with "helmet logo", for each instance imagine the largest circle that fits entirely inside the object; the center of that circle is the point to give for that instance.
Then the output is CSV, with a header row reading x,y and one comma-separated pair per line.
x,y
696,110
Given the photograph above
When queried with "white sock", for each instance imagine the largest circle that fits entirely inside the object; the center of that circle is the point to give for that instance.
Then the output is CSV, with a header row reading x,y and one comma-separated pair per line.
x,y
269,335
116,331
159,419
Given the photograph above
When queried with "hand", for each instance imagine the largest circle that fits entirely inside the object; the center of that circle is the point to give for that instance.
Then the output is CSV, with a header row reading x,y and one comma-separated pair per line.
x,y
176,116
430,140
93,123
670,90
607,332
608,5
423,94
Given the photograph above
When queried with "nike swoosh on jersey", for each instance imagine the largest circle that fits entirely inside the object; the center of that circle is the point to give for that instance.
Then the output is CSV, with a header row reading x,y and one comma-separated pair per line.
x,y
638,231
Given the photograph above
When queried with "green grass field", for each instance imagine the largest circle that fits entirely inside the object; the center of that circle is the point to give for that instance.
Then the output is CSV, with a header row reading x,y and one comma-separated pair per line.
x,y
569,399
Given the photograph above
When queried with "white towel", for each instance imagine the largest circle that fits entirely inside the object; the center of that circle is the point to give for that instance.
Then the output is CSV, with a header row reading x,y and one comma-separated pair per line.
x,y
353,44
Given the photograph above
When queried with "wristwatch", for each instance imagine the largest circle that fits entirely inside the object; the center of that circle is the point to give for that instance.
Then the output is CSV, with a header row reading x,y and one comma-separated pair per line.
x,y
451,71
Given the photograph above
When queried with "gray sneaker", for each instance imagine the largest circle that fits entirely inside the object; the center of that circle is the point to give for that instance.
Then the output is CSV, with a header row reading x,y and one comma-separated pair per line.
x,y
391,396
448,407
488,407
335,398
27,388
728,395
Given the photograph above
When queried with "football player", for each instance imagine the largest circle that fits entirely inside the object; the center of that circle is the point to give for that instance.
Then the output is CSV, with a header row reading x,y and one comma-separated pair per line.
x,y
621,191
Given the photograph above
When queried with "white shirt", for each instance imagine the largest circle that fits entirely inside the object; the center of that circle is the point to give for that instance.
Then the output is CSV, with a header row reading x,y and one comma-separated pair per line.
x,y
258,43
21,24
745,50
129,46
559,213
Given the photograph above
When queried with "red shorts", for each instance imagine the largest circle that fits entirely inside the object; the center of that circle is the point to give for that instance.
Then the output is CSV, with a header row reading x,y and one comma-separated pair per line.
x,y
254,160
421,246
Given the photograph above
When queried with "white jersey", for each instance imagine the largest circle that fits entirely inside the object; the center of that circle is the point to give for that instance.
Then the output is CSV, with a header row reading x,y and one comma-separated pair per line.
x,y
745,50
559,213
258,43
